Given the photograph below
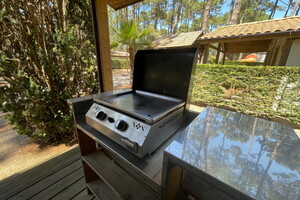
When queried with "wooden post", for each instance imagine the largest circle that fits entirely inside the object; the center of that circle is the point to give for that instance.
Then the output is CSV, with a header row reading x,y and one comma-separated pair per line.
x,y
200,56
102,43
286,51
224,57
218,53
280,51
267,58
224,53
205,56
270,53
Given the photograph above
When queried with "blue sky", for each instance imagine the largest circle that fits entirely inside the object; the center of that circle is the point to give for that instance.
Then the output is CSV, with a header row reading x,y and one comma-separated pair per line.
x,y
278,13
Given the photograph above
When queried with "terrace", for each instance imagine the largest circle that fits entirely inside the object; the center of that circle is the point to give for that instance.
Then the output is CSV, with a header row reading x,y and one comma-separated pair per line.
x,y
66,176
59,178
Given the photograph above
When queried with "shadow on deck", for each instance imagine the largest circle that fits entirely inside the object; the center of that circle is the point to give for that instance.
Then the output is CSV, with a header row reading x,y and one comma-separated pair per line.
x,y
59,178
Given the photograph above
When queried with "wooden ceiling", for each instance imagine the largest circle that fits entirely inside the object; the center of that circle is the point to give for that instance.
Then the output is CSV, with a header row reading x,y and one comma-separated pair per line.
x,y
118,4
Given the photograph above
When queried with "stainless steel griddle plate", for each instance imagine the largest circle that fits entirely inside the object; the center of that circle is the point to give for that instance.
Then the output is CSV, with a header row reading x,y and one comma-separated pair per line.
x,y
146,106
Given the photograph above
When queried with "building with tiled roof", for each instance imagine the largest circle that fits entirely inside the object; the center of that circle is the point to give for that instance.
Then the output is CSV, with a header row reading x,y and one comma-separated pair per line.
x,y
181,40
278,37
289,25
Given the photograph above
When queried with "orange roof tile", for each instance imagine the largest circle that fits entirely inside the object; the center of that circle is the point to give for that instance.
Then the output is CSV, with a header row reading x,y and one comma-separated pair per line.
x,y
291,24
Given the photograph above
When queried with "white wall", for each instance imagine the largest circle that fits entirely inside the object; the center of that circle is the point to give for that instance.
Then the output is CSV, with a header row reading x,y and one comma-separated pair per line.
x,y
294,56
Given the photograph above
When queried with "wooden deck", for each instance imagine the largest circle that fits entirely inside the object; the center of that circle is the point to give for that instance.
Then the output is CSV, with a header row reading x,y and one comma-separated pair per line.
x,y
59,178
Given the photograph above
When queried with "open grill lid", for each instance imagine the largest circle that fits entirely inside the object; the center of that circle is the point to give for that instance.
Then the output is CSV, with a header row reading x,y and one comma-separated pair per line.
x,y
168,71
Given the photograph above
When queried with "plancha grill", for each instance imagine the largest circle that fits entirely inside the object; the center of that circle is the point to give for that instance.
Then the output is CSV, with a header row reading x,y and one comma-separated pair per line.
x,y
144,117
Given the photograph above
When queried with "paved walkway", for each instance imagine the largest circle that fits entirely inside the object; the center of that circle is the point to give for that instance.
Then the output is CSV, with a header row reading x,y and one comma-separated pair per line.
x,y
121,78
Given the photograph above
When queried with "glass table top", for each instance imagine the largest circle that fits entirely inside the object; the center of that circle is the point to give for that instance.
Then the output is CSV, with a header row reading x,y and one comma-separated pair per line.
x,y
260,158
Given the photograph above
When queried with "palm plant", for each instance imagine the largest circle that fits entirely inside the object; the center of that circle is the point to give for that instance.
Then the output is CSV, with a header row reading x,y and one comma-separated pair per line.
x,y
134,38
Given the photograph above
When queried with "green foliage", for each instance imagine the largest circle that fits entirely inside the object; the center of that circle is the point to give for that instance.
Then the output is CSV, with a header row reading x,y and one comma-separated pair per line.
x,y
235,62
266,91
133,37
130,34
255,10
46,57
120,64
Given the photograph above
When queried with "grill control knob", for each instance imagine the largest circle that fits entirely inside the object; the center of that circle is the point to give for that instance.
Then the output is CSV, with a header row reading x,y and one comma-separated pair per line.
x,y
121,125
101,115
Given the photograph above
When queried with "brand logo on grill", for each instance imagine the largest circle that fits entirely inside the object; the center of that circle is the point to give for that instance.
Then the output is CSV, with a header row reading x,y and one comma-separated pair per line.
x,y
96,107
164,124
138,126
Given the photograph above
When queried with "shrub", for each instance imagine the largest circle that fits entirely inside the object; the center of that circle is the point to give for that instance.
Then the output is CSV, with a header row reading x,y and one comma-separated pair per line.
x,y
120,64
235,62
268,91
46,57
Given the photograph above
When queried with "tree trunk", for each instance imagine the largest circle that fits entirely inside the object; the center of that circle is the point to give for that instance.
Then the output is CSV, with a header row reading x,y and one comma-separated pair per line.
x,y
206,16
156,6
241,20
230,12
177,16
126,13
236,12
62,13
272,156
297,3
131,58
273,10
155,19
288,8
172,17
133,11
252,138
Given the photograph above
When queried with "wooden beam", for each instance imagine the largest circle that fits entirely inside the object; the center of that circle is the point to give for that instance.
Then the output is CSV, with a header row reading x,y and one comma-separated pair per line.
x,y
248,46
215,48
102,43
287,34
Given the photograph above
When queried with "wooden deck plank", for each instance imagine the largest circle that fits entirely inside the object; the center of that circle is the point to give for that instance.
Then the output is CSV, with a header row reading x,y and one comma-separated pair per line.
x,y
83,195
59,186
98,161
71,191
100,189
15,184
48,181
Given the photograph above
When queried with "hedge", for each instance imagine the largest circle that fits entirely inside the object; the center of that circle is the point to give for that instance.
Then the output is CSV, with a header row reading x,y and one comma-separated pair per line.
x,y
234,62
266,91
120,64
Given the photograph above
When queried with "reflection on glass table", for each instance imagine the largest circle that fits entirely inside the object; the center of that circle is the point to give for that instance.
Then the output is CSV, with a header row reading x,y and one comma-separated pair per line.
x,y
256,157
